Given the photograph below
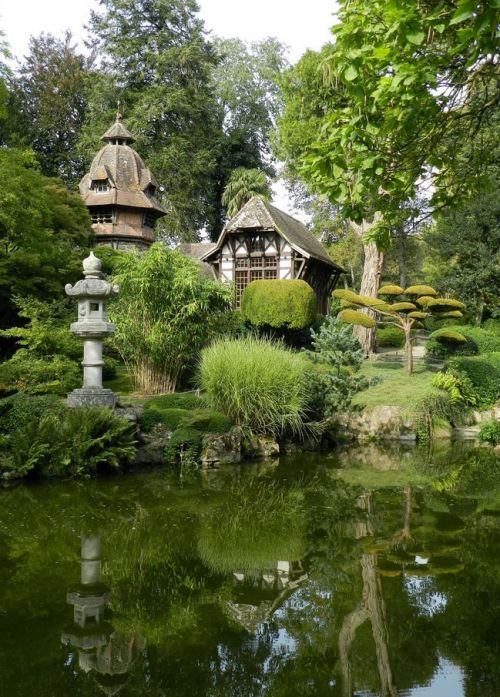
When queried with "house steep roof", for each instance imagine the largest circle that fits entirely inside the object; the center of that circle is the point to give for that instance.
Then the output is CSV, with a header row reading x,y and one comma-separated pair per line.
x,y
260,214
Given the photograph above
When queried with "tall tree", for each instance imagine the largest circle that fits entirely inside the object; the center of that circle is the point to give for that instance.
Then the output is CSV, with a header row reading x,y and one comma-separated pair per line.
x,y
157,59
399,78
49,96
243,184
245,83
464,253
43,229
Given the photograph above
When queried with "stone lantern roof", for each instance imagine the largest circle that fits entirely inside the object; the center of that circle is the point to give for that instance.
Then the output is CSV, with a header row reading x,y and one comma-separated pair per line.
x,y
118,175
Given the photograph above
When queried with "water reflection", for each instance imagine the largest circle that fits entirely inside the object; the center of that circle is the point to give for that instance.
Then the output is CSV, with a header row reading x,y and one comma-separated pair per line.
x,y
104,653
314,578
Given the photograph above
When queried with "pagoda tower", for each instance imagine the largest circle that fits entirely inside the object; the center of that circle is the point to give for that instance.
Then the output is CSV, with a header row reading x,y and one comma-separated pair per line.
x,y
120,193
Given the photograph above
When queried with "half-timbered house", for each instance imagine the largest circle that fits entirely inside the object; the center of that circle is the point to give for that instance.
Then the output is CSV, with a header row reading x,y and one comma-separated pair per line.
x,y
262,242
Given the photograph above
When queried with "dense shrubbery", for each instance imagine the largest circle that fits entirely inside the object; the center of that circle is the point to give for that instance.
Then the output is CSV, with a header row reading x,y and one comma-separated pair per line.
x,y
478,340
45,438
459,387
390,336
483,373
49,356
256,383
279,304
490,432
166,312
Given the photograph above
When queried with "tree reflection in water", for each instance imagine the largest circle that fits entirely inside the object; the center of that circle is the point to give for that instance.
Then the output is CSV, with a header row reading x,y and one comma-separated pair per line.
x,y
308,579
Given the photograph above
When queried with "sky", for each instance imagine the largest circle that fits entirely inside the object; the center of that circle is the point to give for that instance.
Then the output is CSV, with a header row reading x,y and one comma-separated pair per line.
x,y
299,25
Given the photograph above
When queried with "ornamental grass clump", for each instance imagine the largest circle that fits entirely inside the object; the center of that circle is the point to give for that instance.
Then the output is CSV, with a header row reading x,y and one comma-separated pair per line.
x,y
258,384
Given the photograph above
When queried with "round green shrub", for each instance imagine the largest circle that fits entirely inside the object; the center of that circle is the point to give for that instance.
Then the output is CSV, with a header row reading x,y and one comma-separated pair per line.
x,y
444,304
448,335
420,290
257,384
390,336
440,349
402,307
279,303
355,317
391,289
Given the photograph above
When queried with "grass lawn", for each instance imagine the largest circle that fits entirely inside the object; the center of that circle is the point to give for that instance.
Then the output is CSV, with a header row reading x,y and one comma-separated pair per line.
x,y
396,387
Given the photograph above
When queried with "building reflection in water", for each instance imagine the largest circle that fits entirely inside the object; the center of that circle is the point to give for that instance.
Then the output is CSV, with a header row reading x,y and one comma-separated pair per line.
x,y
260,592
105,653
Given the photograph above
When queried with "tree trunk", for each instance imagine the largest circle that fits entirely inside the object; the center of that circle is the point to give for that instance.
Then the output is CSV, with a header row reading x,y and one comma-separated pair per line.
x,y
370,284
409,351
402,259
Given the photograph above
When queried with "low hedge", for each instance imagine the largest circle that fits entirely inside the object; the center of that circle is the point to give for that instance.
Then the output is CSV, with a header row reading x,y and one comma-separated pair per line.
x,y
279,304
478,341
483,372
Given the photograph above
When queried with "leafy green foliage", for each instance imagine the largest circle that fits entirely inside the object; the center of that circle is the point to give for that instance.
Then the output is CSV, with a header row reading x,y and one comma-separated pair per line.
x,y
398,76
463,251
279,304
390,336
242,185
166,312
483,372
62,442
257,384
458,385
43,232
490,432
338,356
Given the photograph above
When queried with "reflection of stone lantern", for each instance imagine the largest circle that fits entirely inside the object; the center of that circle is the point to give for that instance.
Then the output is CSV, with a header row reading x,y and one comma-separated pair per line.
x,y
92,325
103,652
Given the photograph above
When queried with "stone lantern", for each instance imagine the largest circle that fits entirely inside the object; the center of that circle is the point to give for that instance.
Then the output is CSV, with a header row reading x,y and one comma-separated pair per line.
x,y
92,326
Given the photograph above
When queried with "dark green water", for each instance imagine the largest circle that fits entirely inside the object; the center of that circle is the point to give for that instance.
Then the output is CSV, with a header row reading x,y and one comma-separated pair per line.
x,y
362,573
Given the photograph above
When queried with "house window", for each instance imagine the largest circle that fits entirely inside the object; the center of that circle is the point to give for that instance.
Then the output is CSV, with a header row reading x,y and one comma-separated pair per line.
x,y
102,215
256,244
149,220
253,269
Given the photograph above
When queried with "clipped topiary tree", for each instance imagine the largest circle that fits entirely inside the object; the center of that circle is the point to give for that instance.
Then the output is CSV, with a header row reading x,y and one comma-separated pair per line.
x,y
281,304
404,313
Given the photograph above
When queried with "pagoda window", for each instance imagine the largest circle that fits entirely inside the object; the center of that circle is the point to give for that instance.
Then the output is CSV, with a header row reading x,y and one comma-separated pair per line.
x,y
100,187
101,215
149,220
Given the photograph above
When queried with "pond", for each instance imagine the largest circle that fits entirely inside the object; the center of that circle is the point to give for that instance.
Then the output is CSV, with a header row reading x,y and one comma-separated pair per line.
x,y
360,572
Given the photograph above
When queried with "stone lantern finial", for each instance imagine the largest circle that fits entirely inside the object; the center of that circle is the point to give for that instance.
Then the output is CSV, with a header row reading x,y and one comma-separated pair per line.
x,y
92,266
92,326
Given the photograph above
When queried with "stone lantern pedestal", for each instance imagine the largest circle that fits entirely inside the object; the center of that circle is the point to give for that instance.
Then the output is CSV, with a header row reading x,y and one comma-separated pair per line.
x,y
92,326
